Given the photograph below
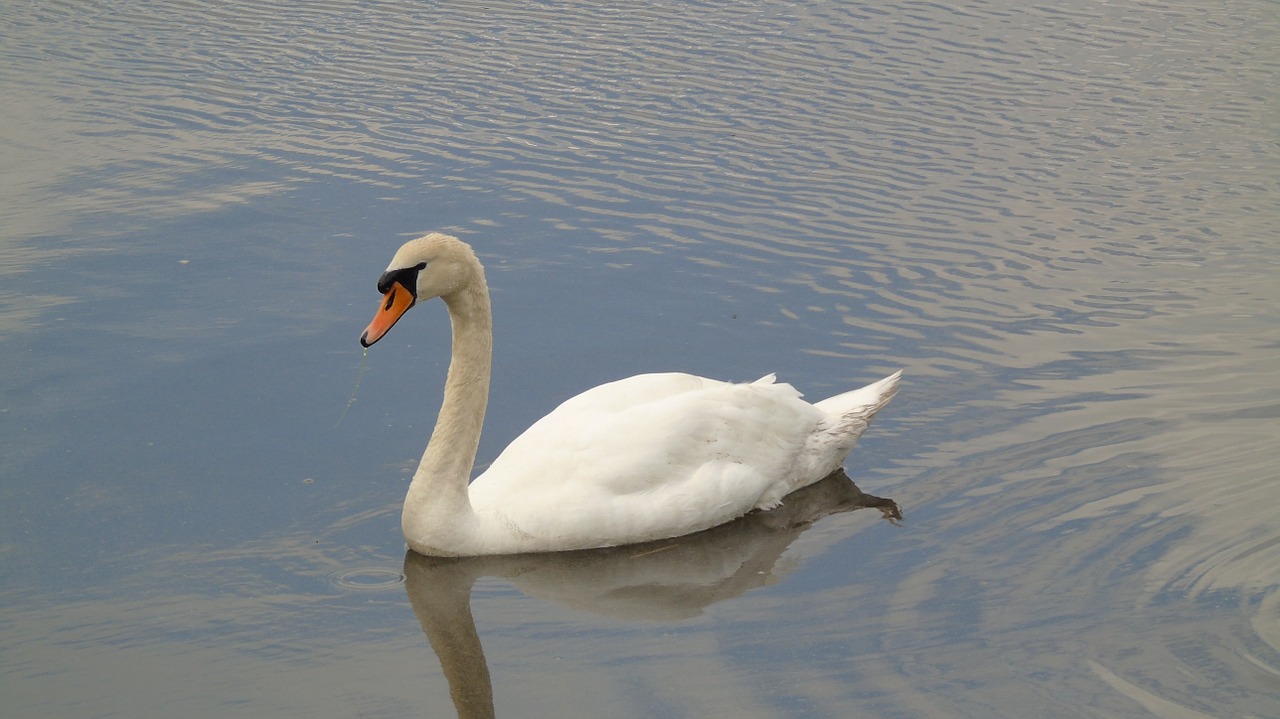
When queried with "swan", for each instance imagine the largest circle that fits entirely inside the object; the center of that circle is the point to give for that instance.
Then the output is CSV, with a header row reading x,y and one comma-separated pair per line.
x,y
649,457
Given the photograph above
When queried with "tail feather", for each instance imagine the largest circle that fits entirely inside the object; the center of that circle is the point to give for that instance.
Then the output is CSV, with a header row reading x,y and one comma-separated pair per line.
x,y
864,402
847,417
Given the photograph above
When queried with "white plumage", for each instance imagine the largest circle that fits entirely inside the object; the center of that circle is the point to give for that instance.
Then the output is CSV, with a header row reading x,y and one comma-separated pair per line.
x,y
644,458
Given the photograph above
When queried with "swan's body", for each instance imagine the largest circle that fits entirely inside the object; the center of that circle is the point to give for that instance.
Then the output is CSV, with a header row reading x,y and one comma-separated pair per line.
x,y
644,458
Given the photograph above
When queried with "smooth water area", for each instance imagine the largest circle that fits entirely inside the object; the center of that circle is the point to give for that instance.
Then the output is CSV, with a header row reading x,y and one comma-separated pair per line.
x,y
1061,220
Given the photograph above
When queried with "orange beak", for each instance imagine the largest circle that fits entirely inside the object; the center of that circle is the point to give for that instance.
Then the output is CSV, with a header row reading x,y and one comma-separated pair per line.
x,y
395,303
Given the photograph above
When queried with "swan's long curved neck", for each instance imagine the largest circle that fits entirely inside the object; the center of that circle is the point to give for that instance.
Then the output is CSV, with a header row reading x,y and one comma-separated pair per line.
x,y
437,500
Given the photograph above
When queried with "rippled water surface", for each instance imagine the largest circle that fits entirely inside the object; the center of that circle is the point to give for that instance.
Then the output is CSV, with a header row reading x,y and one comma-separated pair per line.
x,y
1059,219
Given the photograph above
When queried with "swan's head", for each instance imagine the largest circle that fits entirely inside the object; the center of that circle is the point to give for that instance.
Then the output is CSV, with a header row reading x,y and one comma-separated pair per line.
x,y
432,266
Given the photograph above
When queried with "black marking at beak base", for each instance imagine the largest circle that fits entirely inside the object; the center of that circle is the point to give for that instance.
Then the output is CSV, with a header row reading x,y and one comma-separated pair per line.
x,y
406,276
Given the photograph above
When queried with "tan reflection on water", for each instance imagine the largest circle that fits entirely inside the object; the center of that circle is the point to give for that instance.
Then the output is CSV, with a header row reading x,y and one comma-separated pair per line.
x,y
667,581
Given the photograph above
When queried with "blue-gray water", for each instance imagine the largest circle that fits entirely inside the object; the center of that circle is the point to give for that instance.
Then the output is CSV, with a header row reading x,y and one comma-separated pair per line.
x,y
1059,219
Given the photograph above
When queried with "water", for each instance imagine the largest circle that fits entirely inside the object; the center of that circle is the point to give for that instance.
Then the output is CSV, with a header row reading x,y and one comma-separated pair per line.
x,y
1058,219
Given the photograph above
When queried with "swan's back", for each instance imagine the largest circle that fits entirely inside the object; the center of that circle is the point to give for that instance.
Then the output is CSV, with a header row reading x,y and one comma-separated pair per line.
x,y
661,455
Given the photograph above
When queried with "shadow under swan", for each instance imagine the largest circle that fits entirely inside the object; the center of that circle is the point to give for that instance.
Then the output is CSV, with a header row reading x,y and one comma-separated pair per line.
x,y
667,580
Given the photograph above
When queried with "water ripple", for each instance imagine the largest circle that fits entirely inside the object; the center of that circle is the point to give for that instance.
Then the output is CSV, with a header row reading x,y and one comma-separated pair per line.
x,y
1062,219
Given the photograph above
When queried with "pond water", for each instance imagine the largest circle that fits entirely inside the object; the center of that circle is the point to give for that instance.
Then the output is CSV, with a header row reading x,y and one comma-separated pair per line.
x,y
1059,219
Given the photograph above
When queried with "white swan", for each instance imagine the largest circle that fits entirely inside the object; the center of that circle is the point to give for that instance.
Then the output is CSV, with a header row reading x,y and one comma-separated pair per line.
x,y
644,458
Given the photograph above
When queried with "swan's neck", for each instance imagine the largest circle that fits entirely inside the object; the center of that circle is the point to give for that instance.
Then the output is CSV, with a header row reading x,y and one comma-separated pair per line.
x,y
437,507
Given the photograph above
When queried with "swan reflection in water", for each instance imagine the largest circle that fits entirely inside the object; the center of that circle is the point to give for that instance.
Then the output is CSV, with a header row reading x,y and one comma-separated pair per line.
x,y
665,580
